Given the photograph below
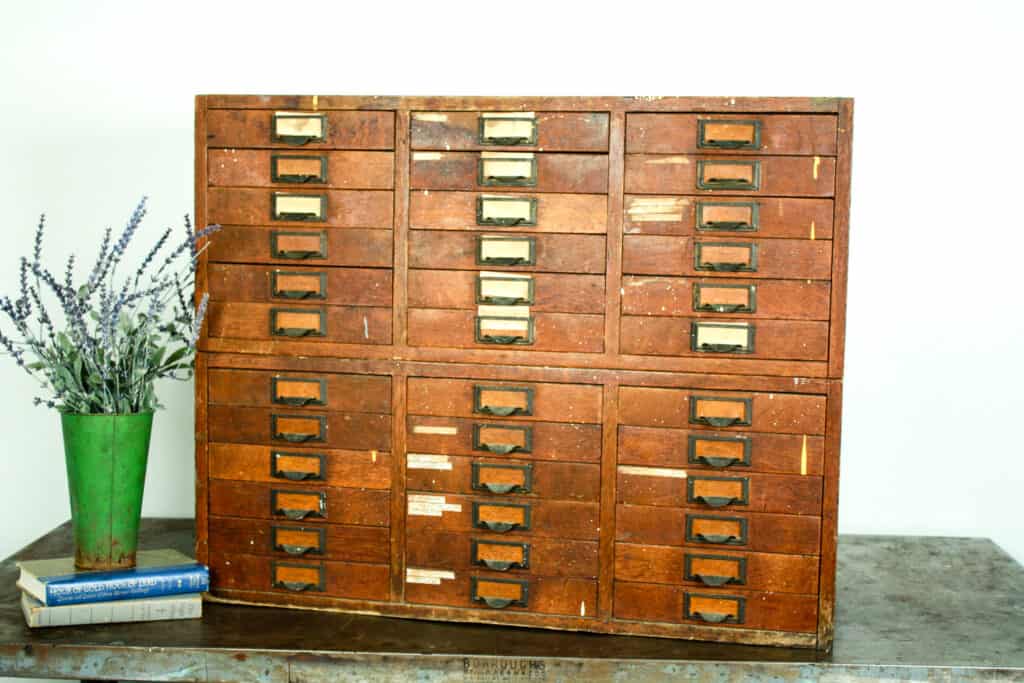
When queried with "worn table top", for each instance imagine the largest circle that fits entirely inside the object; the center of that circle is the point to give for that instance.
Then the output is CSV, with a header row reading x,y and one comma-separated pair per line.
x,y
909,608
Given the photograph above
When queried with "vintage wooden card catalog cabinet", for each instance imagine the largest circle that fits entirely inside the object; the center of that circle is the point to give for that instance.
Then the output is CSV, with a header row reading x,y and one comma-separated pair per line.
x,y
573,363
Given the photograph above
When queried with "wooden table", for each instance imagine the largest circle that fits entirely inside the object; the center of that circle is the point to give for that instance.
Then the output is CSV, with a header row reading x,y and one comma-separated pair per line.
x,y
909,608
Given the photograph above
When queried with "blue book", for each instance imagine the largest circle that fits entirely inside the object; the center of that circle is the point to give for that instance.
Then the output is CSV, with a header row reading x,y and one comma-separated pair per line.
x,y
158,572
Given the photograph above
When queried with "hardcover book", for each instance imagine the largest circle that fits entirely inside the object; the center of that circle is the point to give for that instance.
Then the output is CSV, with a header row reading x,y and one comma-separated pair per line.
x,y
38,615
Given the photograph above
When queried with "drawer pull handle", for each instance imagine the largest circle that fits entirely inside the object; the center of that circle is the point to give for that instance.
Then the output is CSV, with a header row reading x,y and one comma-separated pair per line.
x,y
500,448
716,538
509,141
504,300
294,331
297,586
294,437
736,226
502,338
716,501
499,488
500,527
505,260
296,476
294,514
721,348
498,603
722,308
295,549
501,222
727,144
501,411
723,267
297,139
506,179
717,461
728,183
710,580
297,254
299,178
296,293
714,617
296,216
718,421
297,401
498,565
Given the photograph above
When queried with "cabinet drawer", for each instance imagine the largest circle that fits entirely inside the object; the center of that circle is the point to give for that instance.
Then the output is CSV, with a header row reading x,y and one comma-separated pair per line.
x,y
475,251
318,467
538,332
552,131
548,595
495,518
264,168
285,426
706,174
299,504
716,607
727,491
766,339
302,246
332,391
284,540
507,400
511,554
282,285
731,133
330,579
762,217
492,171
342,324
531,440
704,450
725,530
778,413
717,568
727,258
300,129
542,292
327,208
502,477
714,297
565,213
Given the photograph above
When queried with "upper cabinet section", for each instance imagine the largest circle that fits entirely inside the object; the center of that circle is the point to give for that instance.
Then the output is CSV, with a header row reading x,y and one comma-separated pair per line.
x,y
483,130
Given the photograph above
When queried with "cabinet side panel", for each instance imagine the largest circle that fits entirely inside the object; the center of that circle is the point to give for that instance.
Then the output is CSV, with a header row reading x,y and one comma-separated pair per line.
x,y
841,239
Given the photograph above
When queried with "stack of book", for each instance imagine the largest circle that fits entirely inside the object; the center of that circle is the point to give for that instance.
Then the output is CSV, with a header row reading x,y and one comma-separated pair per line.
x,y
165,584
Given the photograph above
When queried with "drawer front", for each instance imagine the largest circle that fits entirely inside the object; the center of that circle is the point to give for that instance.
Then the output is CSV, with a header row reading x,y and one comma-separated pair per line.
x,y
492,171
511,554
289,503
552,131
327,208
714,569
536,332
264,168
708,297
288,427
542,292
695,409
766,339
728,530
731,133
506,400
318,467
495,518
527,440
341,324
727,258
283,285
547,595
730,491
762,217
331,391
330,579
491,251
564,213
284,540
707,174
303,247
720,451
716,607
300,129
503,477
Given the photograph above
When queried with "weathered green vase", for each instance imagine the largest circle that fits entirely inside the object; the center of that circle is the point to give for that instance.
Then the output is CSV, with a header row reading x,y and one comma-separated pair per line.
x,y
106,458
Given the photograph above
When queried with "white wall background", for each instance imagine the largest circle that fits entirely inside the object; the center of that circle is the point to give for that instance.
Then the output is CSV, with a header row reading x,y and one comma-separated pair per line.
x,y
96,110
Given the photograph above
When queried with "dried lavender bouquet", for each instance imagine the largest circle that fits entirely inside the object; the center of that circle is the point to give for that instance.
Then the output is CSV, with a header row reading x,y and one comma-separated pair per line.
x,y
112,336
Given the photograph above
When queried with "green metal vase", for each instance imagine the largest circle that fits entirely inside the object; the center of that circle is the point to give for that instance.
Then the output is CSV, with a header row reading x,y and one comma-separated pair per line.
x,y
106,459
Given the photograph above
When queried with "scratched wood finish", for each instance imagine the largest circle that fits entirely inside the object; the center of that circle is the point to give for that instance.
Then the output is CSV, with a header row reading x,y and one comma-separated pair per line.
x,y
628,251
556,131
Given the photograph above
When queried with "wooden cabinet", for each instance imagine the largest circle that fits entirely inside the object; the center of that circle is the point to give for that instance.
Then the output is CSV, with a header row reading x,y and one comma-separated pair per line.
x,y
570,363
